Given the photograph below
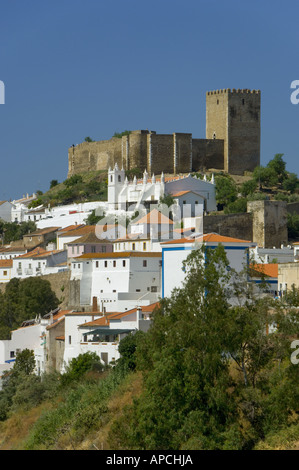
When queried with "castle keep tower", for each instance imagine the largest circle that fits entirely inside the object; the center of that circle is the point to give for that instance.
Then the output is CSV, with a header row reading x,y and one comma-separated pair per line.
x,y
234,116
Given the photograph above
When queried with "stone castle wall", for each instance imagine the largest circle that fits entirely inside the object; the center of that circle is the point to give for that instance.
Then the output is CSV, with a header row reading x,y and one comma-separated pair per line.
x,y
232,142
234,116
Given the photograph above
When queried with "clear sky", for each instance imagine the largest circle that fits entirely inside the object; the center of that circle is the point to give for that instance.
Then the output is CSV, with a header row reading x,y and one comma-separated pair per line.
x,y
75,68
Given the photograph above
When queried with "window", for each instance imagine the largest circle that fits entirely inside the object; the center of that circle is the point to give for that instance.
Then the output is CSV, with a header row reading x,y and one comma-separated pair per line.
x,y
144,263
114,264
243,101
111,178
4,273
105,264
78,266
184,202
119,178
103,249
93,249
144,246
133,246
97,264
124,263
12,354
154,289
70,340
137,290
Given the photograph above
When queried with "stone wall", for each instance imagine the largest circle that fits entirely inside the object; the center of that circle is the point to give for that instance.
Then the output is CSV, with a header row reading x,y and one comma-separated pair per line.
x,y
264,223
59,284
232,142
207,153
234,116
269,223
230,225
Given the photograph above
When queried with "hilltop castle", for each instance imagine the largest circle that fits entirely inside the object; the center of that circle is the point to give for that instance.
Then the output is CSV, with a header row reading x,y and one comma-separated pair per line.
x,y
232,142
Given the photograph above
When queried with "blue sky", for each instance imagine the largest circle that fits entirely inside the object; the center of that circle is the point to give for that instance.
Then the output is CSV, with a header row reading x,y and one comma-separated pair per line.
x,y
76,68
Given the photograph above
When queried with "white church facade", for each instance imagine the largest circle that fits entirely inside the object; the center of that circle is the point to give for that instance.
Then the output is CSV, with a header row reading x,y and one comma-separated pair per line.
x,y
186,190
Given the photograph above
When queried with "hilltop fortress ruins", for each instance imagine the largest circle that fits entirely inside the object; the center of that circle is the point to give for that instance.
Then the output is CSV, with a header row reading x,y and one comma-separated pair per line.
x,y
232,142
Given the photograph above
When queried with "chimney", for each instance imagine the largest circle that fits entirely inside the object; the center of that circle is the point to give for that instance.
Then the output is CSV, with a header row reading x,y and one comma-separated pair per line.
x,y
94,304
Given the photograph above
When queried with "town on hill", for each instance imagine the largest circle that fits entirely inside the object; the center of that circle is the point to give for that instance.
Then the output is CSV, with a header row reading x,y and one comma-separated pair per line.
x,y
159,244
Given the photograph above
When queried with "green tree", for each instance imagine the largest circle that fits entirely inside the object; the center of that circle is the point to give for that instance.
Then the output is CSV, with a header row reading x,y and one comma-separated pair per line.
x,y
93,219
240,205
81,364
127,350
226,190
23,300
215,376
73,180
265,176
248,187
278,165
293,226
291,182
53,183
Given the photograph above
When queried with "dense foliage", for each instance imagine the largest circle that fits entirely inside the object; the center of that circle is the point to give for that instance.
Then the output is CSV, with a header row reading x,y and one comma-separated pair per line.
x,y
213,378
13,231
23,300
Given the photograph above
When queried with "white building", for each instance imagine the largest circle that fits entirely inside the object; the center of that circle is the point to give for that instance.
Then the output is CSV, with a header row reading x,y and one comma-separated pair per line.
x,y
5,270
119,281
39,262
123,194
154,224
25,337
174,252
20,207
10,252
6,210
284,254
101,334
70,214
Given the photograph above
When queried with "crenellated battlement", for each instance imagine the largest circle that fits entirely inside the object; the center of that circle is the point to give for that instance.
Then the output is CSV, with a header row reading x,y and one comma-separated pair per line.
x,y
234,90
231,143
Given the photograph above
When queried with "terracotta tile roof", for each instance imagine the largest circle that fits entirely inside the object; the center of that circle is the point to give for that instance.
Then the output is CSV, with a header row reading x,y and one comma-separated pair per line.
x,y
42,231
13,249
47,253
69,228
132,237
120,254
105,319
32,253
5,263
154,217
182,193
210,238
89,238
79,232
268,270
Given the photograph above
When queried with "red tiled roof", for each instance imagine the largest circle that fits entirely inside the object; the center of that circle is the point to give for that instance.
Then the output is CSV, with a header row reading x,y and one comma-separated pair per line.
x,y
269,270
154,217
5,263
209,237
120,254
